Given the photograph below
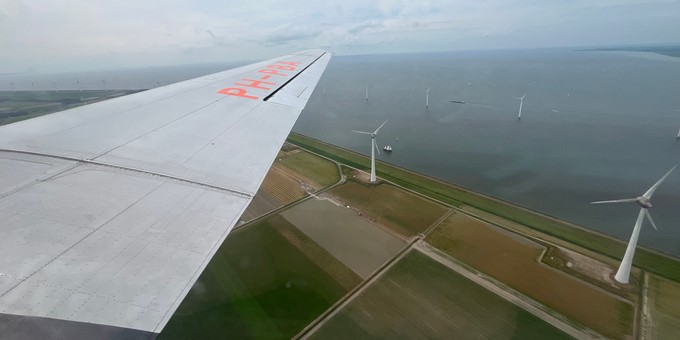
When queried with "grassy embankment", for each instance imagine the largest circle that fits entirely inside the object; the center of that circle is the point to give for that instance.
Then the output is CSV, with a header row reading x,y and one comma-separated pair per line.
x,y
646,259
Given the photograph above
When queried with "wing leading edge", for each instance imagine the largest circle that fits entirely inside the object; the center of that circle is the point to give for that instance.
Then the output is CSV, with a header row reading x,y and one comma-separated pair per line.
x,y
111,211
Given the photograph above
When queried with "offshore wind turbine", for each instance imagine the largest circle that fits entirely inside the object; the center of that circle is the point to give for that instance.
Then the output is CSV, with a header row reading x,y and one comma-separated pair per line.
x,y
366,92
521,102
427,98
374,148
645,203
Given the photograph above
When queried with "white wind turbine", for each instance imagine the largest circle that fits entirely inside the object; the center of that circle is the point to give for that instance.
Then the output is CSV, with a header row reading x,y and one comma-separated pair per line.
x,y
521,102
645,202
374,148
427,98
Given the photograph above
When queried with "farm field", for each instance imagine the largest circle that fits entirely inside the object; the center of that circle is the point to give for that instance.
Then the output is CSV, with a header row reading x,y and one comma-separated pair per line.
x,y
664,307
289,179
420,298
403,212
358,243
268,280
321,172
514,261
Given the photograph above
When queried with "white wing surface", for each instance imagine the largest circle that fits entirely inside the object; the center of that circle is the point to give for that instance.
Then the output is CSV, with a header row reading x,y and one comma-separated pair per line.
x,y
109,212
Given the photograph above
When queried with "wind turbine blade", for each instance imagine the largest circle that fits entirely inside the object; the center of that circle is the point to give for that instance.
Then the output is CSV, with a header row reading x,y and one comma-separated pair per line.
x,y
616,201
523,96
375,143
651,190
378,129
649,217
361,132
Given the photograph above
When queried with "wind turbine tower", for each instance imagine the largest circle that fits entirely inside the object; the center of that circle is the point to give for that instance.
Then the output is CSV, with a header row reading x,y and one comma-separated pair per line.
x,y
643,201
366,92
427,98
521,102
374,148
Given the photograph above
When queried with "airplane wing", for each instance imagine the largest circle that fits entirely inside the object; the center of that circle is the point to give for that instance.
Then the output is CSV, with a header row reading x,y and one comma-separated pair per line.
x,y
109,212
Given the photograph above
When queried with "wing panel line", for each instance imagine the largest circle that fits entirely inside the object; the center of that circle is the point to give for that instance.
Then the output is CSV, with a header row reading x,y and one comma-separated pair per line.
x,y
153,173
81,239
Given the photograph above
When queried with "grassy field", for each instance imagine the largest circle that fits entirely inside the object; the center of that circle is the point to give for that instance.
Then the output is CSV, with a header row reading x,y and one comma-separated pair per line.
x,y
405,213
288,180
419,298
512,260
317,169
664,307
267,281
359,244
457,196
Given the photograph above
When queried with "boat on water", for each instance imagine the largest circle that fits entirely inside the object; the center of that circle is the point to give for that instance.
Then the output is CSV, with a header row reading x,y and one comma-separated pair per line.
x,y
387,148
458,101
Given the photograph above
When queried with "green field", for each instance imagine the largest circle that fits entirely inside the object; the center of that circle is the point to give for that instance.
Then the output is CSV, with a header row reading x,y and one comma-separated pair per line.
x,y
419,298
267,281
451,194
317,169
664,307
405,213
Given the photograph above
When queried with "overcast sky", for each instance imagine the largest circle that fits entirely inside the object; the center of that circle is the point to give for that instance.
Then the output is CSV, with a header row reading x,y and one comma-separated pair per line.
x,y
57,35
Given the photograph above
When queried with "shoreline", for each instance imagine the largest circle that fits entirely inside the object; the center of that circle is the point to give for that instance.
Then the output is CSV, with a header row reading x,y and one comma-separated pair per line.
x,y
612,247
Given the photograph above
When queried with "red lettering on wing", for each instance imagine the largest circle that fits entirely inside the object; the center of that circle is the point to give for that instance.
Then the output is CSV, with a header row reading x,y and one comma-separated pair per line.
x,y
291,63
282,67
238,92
272,72
256,84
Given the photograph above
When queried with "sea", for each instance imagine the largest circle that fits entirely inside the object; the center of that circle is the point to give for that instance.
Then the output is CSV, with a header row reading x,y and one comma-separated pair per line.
x,y
594,125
